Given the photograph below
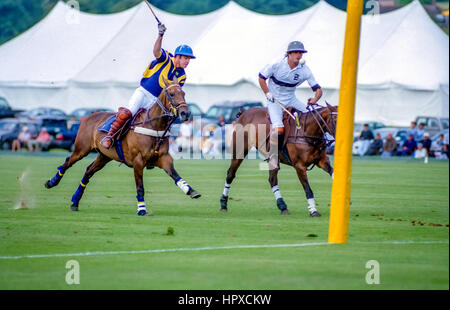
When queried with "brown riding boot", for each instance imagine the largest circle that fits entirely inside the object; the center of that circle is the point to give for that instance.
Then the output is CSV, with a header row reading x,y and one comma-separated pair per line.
x,y
121,117
276,139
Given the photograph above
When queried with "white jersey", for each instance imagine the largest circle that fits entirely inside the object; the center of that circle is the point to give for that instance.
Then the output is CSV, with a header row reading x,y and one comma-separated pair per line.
x,y
283,80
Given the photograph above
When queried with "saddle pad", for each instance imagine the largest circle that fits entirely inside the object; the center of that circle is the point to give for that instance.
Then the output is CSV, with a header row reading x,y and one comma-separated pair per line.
x,y
106,126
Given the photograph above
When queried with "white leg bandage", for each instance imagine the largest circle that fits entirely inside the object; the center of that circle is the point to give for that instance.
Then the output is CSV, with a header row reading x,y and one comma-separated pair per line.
x,y
276,192
311,205
226,189
141,205
183,186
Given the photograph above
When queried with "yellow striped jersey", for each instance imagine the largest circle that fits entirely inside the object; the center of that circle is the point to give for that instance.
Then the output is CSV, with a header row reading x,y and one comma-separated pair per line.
x,y
163,66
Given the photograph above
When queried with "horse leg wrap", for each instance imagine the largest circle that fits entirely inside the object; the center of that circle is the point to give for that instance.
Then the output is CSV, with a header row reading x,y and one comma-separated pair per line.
x,y
58,176
226,189
312,205
141,205
183,185
80,191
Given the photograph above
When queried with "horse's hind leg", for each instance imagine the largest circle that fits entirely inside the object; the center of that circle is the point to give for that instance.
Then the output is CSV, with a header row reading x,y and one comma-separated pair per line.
x,y
95,166
231,174
302,176
82,148
165,162
273,180
239,152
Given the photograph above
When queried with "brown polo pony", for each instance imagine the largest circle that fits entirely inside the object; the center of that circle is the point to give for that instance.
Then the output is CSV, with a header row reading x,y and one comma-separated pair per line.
x,y
305,146
148,148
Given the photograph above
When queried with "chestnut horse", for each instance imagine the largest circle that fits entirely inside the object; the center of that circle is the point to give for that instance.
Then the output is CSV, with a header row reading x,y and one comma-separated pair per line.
x,y
145,145
305,144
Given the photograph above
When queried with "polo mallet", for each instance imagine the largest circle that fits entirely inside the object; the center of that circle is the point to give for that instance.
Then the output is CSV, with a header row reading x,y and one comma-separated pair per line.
x,y
150,7
294,117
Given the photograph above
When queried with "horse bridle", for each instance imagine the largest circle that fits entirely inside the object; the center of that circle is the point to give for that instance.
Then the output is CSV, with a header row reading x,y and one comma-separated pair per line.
x,y
172,112
319,120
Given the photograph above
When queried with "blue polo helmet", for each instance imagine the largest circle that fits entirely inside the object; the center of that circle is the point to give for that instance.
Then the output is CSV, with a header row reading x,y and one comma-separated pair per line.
x,y
184,50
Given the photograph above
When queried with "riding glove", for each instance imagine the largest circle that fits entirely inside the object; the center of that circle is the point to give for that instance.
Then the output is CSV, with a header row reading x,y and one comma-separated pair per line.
x,y
161,29
270,97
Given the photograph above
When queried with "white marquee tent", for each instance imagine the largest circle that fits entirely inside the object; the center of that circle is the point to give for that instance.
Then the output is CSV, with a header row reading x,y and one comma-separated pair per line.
x,y
90,60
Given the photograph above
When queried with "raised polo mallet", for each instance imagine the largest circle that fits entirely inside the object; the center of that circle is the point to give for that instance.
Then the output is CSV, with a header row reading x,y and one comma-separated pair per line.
x,y
150,7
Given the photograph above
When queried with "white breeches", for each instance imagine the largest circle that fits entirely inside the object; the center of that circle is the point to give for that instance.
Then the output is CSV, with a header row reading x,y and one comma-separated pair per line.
x,y
141,98
276,112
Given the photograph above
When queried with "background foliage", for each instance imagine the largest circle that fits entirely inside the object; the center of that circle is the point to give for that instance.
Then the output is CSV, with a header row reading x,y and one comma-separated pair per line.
x,y
19,15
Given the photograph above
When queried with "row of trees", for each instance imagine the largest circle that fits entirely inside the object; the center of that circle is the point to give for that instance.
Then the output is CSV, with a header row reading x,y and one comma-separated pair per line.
x,y
19,15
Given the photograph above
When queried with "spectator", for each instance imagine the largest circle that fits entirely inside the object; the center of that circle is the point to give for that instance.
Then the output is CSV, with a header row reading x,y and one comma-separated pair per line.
x,y
408,148
41,142
365,137
376,146
420,152
436,146
444,154
419,133
221,122
413,129
426,142
22,139
184,140
390,146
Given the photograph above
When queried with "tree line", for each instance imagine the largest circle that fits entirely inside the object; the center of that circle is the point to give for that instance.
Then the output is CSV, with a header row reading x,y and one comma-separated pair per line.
x,y
19,15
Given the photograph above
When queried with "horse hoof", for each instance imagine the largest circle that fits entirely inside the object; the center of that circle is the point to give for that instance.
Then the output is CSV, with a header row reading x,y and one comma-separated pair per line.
x,y
285,212
315,214
74,207
223,202
141,212
194,194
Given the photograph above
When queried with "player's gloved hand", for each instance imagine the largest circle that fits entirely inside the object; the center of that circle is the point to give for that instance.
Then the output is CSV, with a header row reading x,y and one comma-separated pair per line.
x,y
312,101
161,29
270,97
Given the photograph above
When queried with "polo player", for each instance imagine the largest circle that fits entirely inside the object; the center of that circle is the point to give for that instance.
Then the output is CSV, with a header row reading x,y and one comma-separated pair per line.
x,y
165,66
284,76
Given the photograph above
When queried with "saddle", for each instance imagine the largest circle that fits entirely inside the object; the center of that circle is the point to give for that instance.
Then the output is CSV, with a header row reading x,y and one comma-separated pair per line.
x,y
288,122
122,132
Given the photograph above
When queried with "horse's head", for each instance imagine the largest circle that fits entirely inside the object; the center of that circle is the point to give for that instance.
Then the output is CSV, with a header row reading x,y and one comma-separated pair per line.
x,y
173,99
329,114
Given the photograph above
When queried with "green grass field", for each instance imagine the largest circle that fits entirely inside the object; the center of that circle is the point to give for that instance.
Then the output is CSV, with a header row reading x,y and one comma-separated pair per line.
x,y
397,207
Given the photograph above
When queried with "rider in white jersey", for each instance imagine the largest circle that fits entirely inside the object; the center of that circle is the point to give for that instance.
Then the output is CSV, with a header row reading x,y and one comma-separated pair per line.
x,y
284,77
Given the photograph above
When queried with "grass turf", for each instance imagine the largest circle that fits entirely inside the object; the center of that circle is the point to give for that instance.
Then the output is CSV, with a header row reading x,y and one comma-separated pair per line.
x,y
392,200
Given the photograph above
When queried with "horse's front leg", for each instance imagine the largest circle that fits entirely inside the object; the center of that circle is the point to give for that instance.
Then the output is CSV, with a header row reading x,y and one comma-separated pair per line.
x,y
138,166
325,164
302,176
165,162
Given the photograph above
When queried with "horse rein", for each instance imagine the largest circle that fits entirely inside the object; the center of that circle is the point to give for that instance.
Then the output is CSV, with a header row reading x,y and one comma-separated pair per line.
x,y
319,120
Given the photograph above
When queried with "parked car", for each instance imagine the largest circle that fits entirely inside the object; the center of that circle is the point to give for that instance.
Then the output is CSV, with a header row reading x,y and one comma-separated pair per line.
x,y
81,113
229,110
54,120
5,109
65,139
433,124
10,129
